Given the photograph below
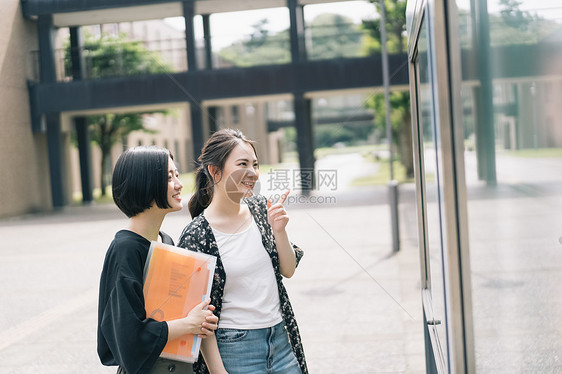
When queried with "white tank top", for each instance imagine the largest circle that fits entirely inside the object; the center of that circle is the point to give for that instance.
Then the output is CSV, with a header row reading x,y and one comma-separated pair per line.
x,y
251,297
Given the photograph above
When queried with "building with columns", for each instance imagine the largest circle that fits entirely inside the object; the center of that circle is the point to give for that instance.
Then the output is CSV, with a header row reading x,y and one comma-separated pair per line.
x,y
41,108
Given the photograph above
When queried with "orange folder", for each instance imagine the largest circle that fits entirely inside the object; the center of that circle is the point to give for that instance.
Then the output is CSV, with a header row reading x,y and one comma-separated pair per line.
x,y
175,281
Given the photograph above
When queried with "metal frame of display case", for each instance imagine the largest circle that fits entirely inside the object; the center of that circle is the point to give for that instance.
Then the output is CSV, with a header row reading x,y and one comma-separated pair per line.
x,y
456,355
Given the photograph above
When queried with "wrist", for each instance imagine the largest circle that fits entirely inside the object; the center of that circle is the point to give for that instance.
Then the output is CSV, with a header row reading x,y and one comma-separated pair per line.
x,y
191,326
280,233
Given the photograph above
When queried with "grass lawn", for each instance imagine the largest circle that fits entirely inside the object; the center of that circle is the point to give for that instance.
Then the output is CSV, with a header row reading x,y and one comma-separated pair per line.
x,y
363,149
188,179
382,177
98,198
536,153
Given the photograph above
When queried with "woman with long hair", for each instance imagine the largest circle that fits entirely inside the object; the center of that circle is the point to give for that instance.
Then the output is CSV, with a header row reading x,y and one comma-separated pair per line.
x,y
146,188
257,331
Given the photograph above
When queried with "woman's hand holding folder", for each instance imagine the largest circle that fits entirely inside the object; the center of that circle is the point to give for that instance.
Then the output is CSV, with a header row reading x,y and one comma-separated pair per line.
x,y
200,321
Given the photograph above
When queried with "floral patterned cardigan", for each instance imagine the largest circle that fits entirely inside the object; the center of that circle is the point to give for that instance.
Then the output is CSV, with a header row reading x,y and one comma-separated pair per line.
x,y
198,236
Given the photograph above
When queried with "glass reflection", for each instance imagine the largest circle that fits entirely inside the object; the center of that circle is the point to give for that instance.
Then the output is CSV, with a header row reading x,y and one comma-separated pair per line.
x,y
514,218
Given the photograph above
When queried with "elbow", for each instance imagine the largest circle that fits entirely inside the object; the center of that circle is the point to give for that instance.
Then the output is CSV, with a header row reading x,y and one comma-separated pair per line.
x,y
288,273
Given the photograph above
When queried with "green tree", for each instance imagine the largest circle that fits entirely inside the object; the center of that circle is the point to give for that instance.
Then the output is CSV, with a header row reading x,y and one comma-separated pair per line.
x,y
516,26
331,36
510,26
108,129
513,16
330,134
110,56
400,122
260,48
260,34
395,11
334,36
115,56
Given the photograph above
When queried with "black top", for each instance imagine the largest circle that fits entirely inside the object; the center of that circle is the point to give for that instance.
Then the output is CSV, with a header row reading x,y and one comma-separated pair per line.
x,y
125,336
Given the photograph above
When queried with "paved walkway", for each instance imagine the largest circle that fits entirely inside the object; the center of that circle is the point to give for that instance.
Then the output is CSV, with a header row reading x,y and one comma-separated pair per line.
x,y
358,305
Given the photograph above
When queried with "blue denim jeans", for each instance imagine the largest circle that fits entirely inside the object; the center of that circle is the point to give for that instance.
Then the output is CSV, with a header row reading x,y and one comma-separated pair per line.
x,y
259,351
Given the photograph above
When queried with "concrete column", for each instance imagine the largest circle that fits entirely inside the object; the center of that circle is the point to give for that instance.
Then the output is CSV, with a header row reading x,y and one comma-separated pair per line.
x,y
302,106
212,116
46,36
76,56
56,159
85,154
197,135
208,43
196,129
484,115
296,30
305,140
48,72
188,14
81,123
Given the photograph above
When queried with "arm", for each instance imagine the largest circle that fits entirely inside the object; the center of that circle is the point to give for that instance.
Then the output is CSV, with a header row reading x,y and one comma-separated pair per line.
x,y
278,218
125,335
211,354
287,257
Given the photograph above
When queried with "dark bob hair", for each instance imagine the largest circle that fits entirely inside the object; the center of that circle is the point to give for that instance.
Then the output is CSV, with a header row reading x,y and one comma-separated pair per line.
x,y
140,178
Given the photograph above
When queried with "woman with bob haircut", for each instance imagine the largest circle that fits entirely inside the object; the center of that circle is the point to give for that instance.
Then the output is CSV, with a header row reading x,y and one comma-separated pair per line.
x,y
257,330
146,188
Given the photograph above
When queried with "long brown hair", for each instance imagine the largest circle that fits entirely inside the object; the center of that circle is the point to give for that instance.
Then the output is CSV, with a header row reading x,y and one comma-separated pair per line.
x,y
215,152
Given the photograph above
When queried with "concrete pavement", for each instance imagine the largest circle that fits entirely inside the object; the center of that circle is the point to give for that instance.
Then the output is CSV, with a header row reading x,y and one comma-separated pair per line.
x,y
357,304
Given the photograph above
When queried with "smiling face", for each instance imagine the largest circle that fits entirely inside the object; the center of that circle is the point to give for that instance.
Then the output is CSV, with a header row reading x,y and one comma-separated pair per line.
x,y
240,173
174,187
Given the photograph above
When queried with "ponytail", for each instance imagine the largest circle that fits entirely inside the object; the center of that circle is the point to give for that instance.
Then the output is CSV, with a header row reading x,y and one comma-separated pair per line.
x,y
214,152
203,192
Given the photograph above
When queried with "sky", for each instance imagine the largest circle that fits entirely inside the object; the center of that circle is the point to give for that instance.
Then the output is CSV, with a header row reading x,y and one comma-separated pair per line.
x,y
551,9
229,27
